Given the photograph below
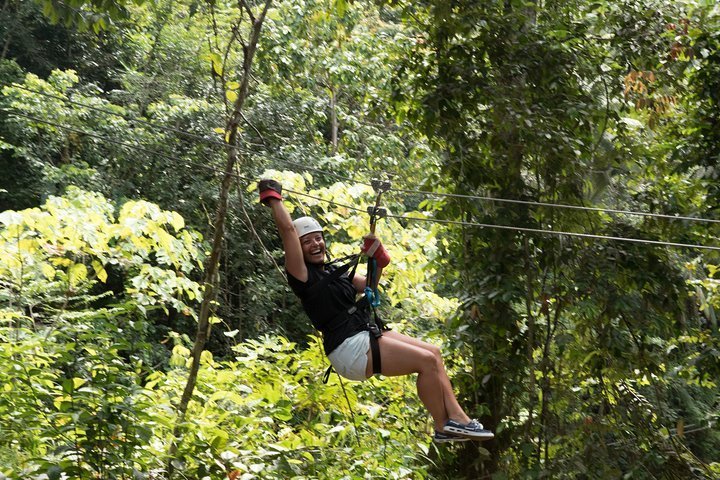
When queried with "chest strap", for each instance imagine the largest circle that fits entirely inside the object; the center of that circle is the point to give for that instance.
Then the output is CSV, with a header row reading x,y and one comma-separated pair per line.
x,y
320,286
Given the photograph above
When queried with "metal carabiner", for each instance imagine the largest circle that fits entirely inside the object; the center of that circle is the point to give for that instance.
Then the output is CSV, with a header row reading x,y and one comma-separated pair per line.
x,y
380,186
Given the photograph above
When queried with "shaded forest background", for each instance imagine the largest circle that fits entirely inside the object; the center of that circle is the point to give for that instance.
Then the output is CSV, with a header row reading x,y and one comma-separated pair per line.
x,y
146,330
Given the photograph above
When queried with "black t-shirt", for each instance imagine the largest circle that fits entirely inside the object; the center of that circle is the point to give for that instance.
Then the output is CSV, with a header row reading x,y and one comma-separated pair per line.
x,y
325,307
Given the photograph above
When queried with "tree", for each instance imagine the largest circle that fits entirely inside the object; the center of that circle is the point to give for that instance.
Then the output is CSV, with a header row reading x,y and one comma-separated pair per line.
x,y
524,106
235,101
87,14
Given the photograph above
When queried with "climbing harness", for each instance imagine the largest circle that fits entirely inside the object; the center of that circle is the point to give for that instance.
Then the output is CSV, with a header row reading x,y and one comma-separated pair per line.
x,y
351,263
376,326
371,299
375,212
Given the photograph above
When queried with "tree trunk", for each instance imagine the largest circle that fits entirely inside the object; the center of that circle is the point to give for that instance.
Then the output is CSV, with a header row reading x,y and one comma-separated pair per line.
x,y
211,269
333,120
6,46
530,345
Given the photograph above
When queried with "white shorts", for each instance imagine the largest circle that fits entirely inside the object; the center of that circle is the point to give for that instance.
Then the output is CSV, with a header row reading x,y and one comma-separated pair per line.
x,y
350,358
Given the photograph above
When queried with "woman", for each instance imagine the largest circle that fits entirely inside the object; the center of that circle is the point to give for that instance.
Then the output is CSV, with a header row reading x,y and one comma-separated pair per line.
x,y
345,327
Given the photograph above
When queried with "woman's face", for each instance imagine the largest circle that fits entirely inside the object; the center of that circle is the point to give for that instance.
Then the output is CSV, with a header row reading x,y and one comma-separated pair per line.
x,y
313,247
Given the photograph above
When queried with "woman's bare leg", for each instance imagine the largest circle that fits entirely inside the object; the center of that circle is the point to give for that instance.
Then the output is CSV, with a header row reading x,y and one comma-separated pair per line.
x,y
402,358
453,408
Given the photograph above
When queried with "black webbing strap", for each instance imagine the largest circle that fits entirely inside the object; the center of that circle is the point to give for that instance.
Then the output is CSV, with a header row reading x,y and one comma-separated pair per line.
x,y
376,327
375,351
334,275
326,376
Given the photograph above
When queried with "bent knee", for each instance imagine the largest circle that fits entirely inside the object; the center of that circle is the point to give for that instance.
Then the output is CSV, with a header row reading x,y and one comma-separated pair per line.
x,y
436,351
430,360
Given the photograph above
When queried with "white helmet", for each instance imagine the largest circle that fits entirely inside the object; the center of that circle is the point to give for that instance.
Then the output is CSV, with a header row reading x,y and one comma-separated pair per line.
x,y
305,225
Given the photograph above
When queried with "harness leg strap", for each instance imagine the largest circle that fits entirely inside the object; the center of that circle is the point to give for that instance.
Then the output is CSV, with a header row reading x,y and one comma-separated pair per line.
x,y
375,352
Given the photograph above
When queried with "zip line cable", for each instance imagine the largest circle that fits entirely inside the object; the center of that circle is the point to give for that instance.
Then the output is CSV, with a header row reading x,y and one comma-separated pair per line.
x,y
557,232
556,205
400,217
353,180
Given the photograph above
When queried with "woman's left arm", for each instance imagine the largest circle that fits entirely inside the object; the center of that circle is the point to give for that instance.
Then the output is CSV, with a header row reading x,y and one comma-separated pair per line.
x,y
372,247
360,281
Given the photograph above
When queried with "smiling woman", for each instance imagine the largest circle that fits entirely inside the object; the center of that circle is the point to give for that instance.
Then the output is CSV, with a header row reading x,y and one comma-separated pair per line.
x,y
312,241
329,297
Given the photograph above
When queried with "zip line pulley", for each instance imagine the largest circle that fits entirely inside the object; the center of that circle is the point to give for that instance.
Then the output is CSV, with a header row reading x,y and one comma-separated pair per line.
x,y
380,187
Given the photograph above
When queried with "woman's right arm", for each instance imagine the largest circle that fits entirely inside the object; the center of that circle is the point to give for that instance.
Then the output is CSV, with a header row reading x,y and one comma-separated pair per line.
x,y
271,195
294,262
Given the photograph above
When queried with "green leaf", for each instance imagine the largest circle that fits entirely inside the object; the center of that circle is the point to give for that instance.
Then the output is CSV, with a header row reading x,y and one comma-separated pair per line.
x,y
48,271
273,14
216,64
340,7
100,271
76,274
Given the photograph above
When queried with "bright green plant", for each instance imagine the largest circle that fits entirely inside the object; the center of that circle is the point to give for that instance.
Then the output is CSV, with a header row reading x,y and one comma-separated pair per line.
x,y
266,414
83,398
74,351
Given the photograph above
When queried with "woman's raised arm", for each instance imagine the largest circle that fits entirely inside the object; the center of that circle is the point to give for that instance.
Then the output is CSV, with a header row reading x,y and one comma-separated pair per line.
x,y
271,195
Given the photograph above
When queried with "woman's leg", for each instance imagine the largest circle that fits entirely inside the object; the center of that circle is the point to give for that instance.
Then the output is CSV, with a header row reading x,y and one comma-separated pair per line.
x,y
453,408
402,358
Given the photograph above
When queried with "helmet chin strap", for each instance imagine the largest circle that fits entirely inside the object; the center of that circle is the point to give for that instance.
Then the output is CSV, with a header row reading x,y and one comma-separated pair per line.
x,y
327,252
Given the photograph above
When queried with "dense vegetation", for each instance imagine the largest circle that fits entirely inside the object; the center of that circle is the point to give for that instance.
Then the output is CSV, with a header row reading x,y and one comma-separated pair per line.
x,y
146,330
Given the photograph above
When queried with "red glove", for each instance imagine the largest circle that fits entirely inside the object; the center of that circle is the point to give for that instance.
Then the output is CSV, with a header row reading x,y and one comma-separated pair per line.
x,y
269,189
373,247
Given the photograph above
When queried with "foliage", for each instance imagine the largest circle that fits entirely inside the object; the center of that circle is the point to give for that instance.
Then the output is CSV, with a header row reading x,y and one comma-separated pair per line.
x,y
529,103
336,64
83,395
85,14
266,414
77,286
39,46
695,50
589,358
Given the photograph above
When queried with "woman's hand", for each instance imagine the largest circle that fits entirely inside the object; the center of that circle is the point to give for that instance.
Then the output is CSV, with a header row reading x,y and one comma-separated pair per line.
x,y
269,189
373,247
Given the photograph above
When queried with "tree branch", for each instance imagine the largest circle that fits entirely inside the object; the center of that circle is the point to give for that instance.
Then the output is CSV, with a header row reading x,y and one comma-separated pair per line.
x,y
210,280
